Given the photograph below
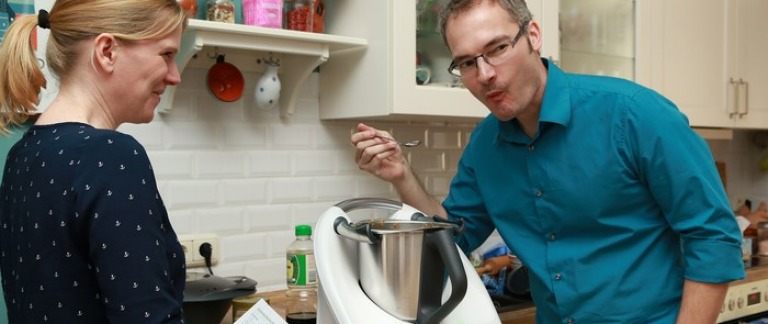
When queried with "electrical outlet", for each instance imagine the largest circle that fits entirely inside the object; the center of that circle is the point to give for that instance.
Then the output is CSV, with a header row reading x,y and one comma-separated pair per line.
x,y
186,245
191,244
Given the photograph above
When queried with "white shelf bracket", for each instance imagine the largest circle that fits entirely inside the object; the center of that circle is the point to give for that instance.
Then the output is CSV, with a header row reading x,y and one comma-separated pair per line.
x,y
296,70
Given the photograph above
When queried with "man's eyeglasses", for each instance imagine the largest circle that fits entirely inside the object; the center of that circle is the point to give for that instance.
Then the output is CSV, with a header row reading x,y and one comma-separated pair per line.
x,y
496,55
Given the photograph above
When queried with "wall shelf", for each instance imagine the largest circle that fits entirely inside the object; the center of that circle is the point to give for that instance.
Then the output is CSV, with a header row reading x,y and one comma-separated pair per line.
x,y
302,53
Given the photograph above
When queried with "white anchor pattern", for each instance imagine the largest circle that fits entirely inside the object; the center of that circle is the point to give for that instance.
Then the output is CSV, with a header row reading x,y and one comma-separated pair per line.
x,y
102,252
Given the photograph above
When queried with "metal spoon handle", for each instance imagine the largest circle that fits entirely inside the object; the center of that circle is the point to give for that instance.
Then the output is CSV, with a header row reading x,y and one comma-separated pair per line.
x,y
411,143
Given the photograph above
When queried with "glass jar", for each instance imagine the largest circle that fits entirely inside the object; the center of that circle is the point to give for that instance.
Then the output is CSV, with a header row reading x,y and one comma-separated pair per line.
x,y
298,15
221,11
301,305
762,238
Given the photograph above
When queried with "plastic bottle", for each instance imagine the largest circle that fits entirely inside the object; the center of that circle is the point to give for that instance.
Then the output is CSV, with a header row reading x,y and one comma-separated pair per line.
x,y
301,296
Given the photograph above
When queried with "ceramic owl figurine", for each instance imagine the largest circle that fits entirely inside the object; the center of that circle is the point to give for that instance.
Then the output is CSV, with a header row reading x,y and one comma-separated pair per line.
x,y
267,91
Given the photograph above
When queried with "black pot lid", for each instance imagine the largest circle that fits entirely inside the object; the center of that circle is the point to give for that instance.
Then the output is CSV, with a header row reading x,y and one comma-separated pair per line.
x,y
202,287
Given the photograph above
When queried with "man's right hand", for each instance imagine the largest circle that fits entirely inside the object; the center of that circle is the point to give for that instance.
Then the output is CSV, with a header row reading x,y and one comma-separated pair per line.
x,y
379,156
384,158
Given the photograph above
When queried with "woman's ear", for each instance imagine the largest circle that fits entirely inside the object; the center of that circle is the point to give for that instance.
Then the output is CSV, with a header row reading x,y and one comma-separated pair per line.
x,y
105,52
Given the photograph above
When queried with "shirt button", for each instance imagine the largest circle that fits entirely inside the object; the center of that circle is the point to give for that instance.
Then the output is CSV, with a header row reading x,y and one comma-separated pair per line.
x,y
539,193
552,237
531,148
558,276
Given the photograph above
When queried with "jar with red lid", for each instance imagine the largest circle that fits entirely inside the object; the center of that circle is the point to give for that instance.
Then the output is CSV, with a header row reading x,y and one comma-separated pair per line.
x,y
298,14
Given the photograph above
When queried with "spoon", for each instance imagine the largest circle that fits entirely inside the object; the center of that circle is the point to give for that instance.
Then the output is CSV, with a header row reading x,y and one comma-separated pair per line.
x,y
410,143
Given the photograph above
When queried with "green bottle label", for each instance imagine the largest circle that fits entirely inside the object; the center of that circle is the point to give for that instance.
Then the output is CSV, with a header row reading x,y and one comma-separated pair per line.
x,y
301,270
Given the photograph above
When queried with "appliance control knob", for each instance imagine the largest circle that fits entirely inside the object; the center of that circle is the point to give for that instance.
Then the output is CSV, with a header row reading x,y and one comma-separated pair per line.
x,y
741,302
731,305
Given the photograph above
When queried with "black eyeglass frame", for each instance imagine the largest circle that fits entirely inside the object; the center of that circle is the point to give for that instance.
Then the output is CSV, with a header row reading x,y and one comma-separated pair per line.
x,y
512,43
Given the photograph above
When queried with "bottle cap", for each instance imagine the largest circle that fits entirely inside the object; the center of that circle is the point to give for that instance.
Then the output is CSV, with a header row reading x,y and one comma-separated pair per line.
x,y
303,230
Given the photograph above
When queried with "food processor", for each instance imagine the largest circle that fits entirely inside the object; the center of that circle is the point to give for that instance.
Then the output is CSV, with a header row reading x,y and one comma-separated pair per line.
x,y
384,270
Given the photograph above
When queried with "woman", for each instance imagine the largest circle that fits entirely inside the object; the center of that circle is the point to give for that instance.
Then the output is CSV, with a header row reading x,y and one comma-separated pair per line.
x,y
84,234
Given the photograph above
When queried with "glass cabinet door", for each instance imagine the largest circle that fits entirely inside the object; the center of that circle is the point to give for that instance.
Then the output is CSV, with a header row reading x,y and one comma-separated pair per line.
x,y
432,55
598,37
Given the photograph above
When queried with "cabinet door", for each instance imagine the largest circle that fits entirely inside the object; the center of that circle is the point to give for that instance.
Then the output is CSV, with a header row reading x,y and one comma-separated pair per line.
x,y
546,13
598,37
750,52
689,58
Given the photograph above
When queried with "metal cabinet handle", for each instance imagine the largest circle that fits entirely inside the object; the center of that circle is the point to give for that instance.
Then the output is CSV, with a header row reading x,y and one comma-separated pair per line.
x,y
733,110
744,95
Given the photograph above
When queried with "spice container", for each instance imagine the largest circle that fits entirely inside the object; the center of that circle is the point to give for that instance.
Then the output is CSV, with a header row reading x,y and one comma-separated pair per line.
x,y
298,15
221,11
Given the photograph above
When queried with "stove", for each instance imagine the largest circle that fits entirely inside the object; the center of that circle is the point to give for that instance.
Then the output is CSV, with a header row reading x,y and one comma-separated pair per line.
x,y
747,300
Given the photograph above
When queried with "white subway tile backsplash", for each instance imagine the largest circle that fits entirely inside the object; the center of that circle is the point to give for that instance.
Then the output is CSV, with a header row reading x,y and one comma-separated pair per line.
x,y
447,139
172,164
244,191
244,247
345,161
214,110
292,136
314,163
427,160
192,135
335,188
149,135
452,161
220,164
222,220
268,218
271,273
439,184
334,135
183,221
370,186
292,190
191,193
184,102
245,135
269,163
251,176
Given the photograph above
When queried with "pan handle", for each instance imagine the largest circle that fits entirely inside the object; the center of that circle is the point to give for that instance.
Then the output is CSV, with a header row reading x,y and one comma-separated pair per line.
x,y
458,225
361,233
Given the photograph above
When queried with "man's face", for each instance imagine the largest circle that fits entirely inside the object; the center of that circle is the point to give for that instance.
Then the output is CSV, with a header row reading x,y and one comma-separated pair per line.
x,y
509,87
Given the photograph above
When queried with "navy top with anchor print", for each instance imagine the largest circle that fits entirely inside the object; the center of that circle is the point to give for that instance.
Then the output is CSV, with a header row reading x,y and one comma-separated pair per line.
x,y
84,234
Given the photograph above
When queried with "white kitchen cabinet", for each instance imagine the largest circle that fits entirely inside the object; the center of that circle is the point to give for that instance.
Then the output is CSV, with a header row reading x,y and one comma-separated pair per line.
x,y
380,83
748,67
708,58
689,58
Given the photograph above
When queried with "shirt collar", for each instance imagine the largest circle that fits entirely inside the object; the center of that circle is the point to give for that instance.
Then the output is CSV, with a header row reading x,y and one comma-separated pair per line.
x,y
555,107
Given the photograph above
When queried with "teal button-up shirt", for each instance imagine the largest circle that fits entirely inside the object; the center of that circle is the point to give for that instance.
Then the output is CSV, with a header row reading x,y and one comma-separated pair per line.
x,y
612,204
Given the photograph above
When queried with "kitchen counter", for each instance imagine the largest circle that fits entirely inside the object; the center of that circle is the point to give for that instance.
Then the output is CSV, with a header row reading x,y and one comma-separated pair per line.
x,y
526,314
756,270
516,315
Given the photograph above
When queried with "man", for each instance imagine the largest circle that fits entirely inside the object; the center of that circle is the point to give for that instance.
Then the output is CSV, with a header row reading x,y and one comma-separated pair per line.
x,y
597,184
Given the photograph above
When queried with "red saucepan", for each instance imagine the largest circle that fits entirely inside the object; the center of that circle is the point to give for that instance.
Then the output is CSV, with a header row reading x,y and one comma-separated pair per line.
x,y
225,81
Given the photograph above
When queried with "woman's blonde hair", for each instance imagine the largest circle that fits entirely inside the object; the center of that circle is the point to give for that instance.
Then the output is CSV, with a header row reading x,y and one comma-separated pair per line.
x,y
71,22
